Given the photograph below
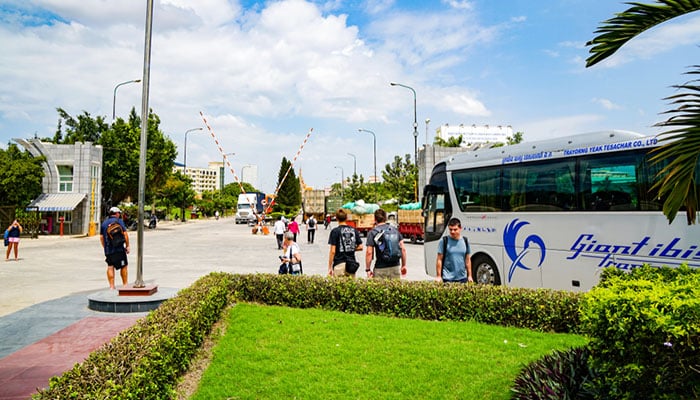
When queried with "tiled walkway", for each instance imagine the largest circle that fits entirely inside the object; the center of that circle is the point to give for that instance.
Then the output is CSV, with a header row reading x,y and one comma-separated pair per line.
x,y
30,368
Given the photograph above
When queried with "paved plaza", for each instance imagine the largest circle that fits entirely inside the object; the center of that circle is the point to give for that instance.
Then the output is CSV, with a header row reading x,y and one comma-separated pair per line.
x,y
47,290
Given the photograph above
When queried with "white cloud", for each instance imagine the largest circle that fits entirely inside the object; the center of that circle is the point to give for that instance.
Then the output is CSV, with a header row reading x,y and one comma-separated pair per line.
x,y
374,7
466,105
549,128
261,76
417,38
607,104
459,4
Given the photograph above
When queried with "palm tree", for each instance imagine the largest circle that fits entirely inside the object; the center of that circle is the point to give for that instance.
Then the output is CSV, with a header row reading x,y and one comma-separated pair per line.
x,y
677,181
452,141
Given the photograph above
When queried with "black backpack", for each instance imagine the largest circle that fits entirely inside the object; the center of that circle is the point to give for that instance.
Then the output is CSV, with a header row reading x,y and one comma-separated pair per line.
x,y
387,241
115,235
444,245
312,223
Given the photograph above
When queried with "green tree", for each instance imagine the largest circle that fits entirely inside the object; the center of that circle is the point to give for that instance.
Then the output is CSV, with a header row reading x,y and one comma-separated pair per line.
x,y
120,160
515,139
288,198
452,141
356,189
121,144
81,129
232,190
677,182
20,176
160,158
400,179
176,191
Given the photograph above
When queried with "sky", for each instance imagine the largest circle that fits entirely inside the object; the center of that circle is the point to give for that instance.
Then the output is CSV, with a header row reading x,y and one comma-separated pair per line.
x,y
266,73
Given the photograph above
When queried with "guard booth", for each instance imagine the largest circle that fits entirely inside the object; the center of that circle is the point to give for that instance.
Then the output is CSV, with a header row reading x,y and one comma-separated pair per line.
x,y
56,209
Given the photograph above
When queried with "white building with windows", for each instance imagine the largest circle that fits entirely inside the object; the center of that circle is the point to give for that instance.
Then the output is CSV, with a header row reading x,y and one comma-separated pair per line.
x,y
203,179
473,134
71,188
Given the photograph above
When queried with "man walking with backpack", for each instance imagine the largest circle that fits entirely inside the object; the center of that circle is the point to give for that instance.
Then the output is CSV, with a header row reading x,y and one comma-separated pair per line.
x,y
115,241
453,260
344,241
310,229
385,243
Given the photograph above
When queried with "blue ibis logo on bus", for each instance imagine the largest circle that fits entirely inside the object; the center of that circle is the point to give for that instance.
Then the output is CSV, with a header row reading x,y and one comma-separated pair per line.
x,y
531,243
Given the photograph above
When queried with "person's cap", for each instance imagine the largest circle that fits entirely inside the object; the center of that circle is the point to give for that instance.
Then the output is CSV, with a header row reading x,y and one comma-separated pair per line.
x,y
114,210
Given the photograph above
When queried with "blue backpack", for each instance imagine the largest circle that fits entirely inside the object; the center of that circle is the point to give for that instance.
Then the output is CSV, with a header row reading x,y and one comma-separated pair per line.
x,y
387,241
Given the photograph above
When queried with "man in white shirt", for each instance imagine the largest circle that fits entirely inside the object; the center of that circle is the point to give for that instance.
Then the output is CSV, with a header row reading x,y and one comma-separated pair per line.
x,y
279,228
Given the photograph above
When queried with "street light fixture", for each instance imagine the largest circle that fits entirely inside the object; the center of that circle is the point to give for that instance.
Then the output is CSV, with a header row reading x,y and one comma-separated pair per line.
x,y
415,121
184,167
354,163
114,98
375,159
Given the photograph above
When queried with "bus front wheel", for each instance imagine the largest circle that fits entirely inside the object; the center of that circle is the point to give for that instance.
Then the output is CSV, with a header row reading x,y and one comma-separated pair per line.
x,y
484,271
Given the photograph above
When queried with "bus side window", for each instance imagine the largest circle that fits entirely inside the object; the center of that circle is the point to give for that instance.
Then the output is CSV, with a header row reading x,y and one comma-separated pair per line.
x,y
611,184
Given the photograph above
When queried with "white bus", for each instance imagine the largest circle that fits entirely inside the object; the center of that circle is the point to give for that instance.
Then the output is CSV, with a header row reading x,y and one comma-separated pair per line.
x,y
553,213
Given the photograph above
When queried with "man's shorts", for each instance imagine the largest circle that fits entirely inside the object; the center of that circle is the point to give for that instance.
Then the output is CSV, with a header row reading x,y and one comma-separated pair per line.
x,y
339,270
387,273
117,260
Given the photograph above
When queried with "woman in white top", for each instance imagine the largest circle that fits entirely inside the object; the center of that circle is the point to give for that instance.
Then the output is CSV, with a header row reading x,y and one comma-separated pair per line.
x,y
291,254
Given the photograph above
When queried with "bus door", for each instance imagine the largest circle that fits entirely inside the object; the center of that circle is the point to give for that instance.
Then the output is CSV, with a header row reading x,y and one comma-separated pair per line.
x,y
436,213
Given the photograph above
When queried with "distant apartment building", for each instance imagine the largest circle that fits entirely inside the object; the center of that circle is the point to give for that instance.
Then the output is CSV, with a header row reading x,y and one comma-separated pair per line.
x,y
249,174
473,134
203,179
71,187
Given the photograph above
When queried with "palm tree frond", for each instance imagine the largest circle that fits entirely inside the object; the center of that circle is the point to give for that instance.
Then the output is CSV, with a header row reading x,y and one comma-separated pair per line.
x,y
615,32
678,180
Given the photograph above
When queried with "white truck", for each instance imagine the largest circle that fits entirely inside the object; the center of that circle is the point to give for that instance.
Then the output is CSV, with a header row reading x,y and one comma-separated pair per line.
x,y
246,203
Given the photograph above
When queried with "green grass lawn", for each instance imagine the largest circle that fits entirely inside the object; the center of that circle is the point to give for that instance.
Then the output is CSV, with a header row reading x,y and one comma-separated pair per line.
x,y
286,353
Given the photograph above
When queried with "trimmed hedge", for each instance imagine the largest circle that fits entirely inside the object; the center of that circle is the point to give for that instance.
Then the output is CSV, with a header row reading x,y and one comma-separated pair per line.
x,y
541,309
645,333
146,360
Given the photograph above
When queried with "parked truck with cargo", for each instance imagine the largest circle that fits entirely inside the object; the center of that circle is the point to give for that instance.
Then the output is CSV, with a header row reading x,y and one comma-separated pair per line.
x,y
361,215
411,222
313,202
333,204
249,205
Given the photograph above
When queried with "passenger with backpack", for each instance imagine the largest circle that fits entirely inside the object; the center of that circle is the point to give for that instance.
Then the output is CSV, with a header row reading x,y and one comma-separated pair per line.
x,y
344,241
453,257
310,229
115,241
385,244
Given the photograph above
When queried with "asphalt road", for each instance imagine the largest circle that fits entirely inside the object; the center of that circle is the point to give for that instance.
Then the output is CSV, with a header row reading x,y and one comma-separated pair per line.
x,y
174,256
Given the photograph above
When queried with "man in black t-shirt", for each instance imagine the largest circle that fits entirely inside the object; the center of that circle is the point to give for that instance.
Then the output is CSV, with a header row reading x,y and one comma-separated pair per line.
x,y
344,241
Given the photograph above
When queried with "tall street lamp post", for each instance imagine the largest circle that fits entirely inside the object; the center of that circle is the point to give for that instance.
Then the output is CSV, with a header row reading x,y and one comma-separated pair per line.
x,y
354,163
415,122
374,137
342,181
114,98
223,170
184,167
242,174
427,121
